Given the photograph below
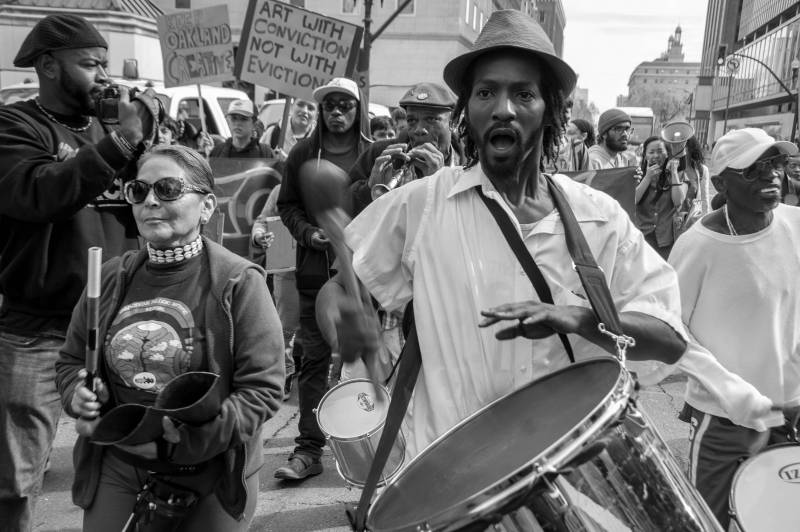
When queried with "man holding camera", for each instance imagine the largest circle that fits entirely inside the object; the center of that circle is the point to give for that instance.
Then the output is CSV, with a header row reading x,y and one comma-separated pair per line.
x,y
61,183
428,107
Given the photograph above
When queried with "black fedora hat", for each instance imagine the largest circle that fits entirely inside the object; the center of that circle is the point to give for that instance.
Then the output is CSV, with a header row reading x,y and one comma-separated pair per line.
x,y
509,28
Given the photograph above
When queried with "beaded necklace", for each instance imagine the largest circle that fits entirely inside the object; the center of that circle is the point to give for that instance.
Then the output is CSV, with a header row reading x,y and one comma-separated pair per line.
x,y
177,254
62,124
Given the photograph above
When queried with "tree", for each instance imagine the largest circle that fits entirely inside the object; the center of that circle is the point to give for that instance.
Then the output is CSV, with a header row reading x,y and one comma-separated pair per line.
x,y
667,105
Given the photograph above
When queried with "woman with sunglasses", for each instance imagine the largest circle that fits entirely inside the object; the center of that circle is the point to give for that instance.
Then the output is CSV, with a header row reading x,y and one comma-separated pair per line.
x,y
658,195
184,303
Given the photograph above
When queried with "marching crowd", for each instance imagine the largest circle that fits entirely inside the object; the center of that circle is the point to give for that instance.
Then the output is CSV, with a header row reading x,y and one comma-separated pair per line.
x,y
399,227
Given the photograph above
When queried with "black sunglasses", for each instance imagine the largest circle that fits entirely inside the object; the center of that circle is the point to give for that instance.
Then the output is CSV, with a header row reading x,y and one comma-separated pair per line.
x,y
165,189
342,105
762,168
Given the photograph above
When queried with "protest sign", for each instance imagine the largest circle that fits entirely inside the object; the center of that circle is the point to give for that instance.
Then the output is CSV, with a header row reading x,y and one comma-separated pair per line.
x,y
619,183
196,46
293,50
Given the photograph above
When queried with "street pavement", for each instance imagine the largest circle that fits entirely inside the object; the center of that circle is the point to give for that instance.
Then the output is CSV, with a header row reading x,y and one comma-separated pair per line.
x,y
317,504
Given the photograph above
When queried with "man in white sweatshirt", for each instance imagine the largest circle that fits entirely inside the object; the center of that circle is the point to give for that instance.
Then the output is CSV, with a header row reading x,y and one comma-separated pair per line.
x,y
737,271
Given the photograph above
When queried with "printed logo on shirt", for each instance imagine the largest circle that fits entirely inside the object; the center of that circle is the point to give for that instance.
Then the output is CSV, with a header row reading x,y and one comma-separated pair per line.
x,y
112,196
150,342
65,151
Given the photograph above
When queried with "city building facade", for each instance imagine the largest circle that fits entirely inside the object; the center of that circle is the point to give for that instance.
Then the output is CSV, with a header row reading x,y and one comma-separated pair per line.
x,y
763,39
129,27
550,14
666,84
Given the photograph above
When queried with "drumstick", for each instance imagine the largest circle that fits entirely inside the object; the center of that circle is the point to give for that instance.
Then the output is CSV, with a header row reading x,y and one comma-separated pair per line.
x,y
333,221
92,314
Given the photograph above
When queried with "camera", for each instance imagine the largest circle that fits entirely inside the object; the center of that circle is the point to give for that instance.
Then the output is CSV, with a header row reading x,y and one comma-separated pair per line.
x,y
106,104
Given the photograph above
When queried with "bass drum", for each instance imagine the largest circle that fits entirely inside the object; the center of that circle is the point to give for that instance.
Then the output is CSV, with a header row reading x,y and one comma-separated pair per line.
x,y
766,490
568,452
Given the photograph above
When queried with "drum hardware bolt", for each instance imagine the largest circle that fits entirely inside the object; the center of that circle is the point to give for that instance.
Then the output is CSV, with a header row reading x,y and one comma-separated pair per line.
x,y
623,342
424,527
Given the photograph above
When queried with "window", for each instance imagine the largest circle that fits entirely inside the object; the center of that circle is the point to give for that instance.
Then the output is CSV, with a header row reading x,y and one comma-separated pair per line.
x,y
350,7
480,27
410,9
466,15
474,16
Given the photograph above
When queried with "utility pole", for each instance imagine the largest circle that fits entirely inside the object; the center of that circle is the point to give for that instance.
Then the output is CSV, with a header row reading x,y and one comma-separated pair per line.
x,y
369,38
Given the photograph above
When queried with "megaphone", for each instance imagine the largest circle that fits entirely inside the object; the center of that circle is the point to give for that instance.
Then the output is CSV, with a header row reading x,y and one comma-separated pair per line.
x,y
675,135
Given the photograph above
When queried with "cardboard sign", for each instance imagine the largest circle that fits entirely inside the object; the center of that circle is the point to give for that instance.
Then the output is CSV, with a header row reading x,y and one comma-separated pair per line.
x,y
281,254
293,50
619,183
196,46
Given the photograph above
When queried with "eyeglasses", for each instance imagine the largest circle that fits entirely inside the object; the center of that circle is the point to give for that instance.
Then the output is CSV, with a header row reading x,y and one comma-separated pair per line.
x,y
343,105
619,130
763,168
165,189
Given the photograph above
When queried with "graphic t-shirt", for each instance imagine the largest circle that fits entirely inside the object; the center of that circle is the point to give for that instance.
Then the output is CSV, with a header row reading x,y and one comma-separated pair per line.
x,y
158,332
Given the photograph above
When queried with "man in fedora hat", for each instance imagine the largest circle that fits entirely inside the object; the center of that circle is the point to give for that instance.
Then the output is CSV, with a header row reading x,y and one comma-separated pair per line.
x,y
435,240
62,193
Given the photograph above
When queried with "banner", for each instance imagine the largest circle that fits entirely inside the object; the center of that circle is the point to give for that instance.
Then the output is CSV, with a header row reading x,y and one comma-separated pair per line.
x,y
619,183
196,46
292,50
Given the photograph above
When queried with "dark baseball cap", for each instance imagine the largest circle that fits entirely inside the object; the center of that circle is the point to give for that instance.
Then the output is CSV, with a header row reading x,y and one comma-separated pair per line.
x,y
429,95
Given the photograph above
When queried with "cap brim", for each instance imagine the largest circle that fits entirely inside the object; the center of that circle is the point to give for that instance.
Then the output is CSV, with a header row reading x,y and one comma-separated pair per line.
x,y
321,92
455,69
749,156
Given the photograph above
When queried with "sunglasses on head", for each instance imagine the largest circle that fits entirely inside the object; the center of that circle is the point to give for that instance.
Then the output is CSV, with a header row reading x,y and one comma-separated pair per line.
x,y
165,189
762,168
342,105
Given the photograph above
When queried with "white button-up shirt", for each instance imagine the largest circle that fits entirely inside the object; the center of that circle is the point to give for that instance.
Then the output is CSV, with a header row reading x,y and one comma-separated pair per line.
x,y
435,240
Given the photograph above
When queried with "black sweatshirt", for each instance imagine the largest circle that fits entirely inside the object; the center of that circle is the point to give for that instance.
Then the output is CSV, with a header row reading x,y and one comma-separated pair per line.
x,y
61,194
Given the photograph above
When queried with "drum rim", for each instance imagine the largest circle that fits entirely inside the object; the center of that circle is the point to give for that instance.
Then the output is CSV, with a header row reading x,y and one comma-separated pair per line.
x,y
351,438
740,471
611,403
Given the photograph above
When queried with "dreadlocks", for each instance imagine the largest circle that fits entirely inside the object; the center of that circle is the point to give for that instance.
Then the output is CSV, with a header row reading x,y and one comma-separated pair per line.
x,y
555,118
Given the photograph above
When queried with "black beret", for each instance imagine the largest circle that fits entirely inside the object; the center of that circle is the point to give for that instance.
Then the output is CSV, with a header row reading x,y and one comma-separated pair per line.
x,y
58,32
429,95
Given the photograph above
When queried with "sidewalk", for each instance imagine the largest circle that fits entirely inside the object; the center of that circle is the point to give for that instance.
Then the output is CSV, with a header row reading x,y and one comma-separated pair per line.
x,y
318,503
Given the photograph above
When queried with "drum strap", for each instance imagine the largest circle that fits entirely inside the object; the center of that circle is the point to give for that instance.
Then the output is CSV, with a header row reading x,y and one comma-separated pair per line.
x,y
591,275
407,373
525,259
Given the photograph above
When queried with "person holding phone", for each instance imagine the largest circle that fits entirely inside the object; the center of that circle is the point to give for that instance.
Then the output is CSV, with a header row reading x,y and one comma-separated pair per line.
x,y
659,194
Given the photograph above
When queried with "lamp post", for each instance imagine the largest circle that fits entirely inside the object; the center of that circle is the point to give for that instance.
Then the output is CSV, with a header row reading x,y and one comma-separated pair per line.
x,y
732,65
795,70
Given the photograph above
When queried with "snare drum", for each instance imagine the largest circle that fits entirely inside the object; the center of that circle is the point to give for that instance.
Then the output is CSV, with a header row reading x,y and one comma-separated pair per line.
x,y
766,490
352,418
568,452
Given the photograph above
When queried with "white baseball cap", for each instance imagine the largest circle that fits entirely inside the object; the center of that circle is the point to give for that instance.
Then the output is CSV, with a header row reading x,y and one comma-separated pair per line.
x,y
241,107
344,85
740,148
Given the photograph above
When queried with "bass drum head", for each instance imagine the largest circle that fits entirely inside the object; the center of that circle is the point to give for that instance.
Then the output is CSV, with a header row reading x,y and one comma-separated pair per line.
x,y
766,490
493,444
351,410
